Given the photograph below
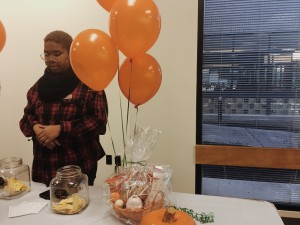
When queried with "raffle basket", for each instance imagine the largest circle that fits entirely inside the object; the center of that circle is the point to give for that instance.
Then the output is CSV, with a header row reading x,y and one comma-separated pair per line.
x,y
138,187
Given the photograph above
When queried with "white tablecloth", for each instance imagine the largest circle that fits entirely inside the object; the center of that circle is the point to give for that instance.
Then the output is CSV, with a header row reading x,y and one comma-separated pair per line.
x,y
228,211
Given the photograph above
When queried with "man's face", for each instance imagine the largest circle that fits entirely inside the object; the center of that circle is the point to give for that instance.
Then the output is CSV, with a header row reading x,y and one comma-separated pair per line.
x,y
56,57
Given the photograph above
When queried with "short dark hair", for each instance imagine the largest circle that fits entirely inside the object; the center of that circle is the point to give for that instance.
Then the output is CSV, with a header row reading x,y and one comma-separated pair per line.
x,y
60,37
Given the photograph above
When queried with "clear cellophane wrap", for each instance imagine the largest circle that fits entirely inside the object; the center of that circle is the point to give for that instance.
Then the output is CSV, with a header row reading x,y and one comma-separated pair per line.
x,y
141,186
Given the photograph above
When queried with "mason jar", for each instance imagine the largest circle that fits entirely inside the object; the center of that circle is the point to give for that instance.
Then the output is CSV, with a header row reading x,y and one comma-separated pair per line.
x,y
69,190
14,178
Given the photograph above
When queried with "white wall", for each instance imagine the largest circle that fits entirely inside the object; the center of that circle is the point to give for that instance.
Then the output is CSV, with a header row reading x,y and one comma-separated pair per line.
x,y
172,110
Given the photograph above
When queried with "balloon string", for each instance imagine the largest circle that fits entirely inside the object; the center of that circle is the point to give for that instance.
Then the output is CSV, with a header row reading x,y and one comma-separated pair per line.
x,y
127,117
135,124
106,115
122,122
121,111
129,94
112,141
124,143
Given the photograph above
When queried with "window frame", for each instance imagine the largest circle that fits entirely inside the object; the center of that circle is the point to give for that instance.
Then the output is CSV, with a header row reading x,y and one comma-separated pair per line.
x,y
226,155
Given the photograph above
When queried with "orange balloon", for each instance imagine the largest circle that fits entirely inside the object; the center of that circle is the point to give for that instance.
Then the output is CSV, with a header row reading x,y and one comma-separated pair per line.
x,y
134,26
140,78
94,58
106,4
2,36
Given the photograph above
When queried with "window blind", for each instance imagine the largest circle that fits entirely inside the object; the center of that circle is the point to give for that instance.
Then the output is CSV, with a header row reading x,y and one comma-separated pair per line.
x,y
250,90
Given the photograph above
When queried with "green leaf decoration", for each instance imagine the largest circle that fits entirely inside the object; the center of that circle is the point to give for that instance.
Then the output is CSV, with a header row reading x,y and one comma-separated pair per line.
x,y
201,217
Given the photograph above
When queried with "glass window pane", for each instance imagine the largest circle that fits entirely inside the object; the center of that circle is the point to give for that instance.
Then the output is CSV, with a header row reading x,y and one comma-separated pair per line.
x,y
250,87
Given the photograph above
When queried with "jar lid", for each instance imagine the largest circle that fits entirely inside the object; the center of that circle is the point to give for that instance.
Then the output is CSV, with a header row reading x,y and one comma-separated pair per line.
x,y
10,162
68,171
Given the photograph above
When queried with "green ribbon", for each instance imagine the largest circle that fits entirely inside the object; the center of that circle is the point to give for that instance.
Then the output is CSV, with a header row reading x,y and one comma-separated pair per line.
x,y
142,162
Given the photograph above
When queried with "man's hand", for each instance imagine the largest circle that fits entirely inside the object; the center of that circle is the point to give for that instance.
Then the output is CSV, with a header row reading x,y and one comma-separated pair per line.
x,y
47,134
37,129
52,144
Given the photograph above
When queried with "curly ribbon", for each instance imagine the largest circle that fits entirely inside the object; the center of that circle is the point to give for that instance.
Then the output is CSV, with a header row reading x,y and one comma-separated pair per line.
x,y
141,163
201,217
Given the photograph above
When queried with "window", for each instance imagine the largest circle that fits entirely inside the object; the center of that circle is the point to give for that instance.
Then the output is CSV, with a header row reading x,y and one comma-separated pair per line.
x,y
250,69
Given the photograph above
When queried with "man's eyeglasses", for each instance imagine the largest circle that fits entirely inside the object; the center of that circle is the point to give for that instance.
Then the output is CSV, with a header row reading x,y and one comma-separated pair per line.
x,y
54,56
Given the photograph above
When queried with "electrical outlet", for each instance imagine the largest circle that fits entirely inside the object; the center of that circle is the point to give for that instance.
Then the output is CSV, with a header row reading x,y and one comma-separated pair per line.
x,y
108,160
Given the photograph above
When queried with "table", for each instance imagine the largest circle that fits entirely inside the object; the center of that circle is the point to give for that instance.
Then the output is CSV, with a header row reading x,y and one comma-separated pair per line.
x,y
228,211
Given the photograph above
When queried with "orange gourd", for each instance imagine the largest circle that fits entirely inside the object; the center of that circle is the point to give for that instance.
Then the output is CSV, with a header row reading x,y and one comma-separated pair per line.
x,y
170,216
114,196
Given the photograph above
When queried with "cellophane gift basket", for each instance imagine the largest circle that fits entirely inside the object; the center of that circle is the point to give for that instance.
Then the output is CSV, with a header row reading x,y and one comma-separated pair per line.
x,y
138,187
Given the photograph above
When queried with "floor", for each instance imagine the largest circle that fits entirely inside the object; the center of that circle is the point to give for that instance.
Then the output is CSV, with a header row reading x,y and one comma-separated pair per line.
x,y
291,221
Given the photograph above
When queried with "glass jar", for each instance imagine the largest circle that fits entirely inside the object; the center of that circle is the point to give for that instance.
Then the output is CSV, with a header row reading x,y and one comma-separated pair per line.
x,y
14,178
69,190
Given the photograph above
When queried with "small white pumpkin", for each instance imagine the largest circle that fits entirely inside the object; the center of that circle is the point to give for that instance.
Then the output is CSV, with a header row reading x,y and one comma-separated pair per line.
x,y
119,203
134,202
